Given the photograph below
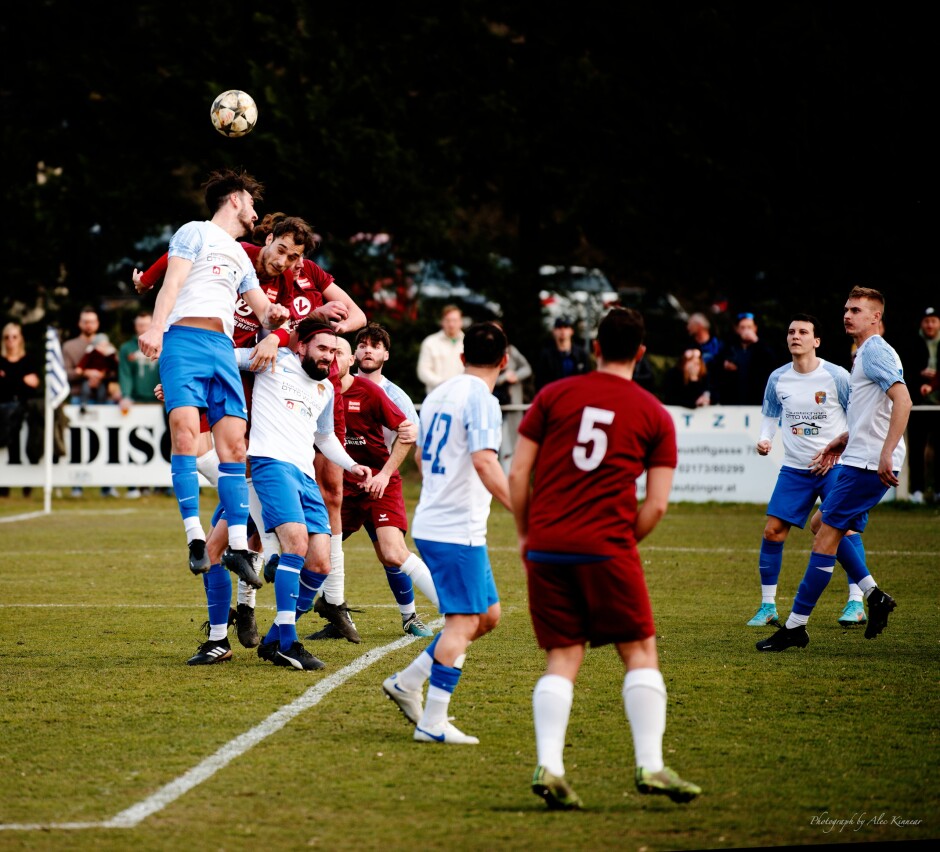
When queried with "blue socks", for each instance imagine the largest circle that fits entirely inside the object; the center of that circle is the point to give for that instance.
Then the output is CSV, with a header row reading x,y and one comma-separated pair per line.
x,y
233,492
817,577
771,560
185,485
218,584
310,583
400,584
286,592
851,555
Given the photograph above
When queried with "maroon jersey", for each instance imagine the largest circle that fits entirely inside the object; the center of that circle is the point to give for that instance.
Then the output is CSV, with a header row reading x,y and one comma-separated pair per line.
x,y
597,433
368,409
276,289
307,291
246,323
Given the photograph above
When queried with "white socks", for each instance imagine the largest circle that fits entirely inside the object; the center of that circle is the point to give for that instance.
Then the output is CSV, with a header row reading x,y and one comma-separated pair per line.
x,y
420,576
334,586
551,708
644,699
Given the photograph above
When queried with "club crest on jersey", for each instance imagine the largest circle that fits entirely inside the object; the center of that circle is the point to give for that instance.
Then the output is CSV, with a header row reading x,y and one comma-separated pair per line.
x,y
820,397
321,389
302,306
353,405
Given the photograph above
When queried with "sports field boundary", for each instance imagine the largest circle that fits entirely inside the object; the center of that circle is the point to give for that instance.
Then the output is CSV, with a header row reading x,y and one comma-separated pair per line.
x,y
203,771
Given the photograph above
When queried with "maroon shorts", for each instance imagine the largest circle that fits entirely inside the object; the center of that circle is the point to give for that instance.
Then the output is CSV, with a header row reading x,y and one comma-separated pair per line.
x,y
359,508
596,602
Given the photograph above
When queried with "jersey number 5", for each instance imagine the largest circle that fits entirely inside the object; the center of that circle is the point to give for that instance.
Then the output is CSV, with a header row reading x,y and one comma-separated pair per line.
x,y
590,433
438,431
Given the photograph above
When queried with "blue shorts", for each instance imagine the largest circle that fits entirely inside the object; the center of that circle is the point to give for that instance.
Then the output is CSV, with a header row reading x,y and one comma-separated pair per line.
x,y
797,491
462,576
288,496
198,368
854,495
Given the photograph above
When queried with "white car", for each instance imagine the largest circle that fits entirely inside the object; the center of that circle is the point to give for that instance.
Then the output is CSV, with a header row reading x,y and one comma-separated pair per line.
x,y
576,293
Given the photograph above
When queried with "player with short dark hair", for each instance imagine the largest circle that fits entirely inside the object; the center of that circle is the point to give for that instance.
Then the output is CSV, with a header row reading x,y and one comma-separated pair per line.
x,y
809,396
459,437
587,439
192,330
872,452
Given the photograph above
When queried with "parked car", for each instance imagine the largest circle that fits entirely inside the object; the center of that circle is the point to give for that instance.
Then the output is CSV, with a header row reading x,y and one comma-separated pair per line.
x,y
580,294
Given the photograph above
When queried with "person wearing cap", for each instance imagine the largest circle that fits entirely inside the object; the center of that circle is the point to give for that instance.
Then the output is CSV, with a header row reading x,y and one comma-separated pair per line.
x,y
562,357
744,365
919,357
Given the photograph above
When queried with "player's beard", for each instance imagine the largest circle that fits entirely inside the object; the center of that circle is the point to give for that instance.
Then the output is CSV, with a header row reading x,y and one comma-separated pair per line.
x,y
370,368
317,370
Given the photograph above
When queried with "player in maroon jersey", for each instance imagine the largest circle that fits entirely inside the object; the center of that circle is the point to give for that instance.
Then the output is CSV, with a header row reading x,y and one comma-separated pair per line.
x,y
380,508
587,439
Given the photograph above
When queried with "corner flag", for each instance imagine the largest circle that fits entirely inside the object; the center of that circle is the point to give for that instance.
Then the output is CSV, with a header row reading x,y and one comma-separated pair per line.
x,y
57,380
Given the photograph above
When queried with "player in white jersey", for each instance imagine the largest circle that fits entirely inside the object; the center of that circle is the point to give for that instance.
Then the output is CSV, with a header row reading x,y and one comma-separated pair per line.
x,y
292,408
459,437
809,397
191,334
872,452
403,569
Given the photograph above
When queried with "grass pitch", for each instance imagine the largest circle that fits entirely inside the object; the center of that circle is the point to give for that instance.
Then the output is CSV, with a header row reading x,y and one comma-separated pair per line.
x,y
100,715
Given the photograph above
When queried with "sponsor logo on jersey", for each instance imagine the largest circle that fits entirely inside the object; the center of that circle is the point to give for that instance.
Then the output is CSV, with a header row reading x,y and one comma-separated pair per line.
x,y
353,405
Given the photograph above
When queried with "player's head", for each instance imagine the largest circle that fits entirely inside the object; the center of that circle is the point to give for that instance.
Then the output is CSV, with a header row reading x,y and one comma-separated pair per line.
x,y
484,345
316,346
620,335
286,244
373,345
344,357
863,311
802,334
224,182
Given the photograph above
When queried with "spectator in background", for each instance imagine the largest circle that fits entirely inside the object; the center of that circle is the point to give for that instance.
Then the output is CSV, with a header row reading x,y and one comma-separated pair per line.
x,y
20,399
745,363
700,331
85,380
686,383
562,357
137,376
919,356
439,356
510,390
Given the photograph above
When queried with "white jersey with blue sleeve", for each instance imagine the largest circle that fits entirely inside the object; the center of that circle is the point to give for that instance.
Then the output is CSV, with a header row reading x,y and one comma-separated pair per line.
x,y
876,368
811,407
458,418
404,403
221,272
288,411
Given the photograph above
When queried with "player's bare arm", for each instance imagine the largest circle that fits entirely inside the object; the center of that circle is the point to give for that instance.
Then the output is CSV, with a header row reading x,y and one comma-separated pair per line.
x,y
355,318
486,464
901,405
151,341
653,508
264,354
520,488
396,456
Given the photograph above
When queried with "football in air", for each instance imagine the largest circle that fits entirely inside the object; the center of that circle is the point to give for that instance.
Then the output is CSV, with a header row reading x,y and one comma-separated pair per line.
x,y
234,113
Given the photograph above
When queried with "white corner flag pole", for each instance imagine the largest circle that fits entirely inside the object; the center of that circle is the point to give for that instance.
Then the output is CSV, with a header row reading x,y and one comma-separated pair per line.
x,y
57,391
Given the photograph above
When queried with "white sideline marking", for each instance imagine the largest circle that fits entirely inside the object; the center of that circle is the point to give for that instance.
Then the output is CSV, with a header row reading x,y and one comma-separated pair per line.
x,y
169,793
9,519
